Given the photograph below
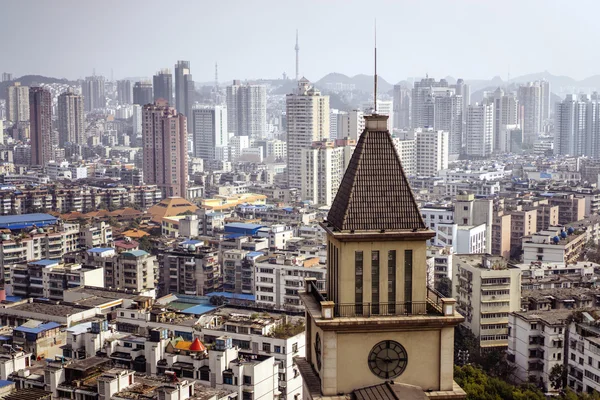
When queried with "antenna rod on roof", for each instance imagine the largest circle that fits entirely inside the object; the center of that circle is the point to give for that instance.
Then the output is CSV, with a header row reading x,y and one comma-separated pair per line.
x,y
375,76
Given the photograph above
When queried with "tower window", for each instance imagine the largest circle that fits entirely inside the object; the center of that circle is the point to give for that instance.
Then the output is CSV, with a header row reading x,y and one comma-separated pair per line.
x,y
358,281
408,272
392,281
375,281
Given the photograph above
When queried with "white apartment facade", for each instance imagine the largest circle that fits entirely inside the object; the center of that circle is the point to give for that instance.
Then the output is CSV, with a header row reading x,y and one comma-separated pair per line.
x,y
432,151
480,130
536,345
209,130
487,289
280,276
322,172
307,113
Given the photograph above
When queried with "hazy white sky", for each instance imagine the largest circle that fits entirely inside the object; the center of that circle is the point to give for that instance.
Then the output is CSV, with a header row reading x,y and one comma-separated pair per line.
x,y
255,38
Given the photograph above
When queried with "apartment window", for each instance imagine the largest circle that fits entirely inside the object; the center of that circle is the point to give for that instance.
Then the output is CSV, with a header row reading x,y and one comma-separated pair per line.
x,y
392,281
277,349
375,281
408,272
533,327
358,278
266,347
590,360
294,347
247,380
466,208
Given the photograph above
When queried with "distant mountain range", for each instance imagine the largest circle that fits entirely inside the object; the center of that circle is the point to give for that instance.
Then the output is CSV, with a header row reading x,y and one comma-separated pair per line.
x,y
33,80
364,83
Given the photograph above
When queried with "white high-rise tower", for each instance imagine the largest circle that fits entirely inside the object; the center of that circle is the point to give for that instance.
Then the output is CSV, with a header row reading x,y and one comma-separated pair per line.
x,y
307,114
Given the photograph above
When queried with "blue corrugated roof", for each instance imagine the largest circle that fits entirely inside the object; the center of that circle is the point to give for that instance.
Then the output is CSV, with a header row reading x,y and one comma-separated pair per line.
x,y
13,299
26,220
40,328
136,253
199,309
242,225
44,263
255,254
100,249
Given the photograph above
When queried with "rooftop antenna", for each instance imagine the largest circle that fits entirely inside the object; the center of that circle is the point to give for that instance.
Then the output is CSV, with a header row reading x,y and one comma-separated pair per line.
x,y
375,76
297,48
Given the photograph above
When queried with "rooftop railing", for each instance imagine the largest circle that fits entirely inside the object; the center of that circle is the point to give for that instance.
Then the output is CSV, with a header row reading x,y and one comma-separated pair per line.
x,y
435,305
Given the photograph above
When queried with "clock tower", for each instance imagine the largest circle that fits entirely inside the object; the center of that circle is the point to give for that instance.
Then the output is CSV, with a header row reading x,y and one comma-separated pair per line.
x,y
377,327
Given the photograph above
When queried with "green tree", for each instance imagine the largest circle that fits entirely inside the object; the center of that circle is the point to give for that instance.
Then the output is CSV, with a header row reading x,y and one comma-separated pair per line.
x,y
145,244
444,286
558,376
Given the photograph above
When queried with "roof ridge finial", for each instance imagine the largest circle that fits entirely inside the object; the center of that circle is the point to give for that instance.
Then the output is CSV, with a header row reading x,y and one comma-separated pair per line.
x,y
375,76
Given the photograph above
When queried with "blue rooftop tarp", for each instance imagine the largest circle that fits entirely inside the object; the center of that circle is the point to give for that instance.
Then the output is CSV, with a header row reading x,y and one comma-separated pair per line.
x,y
199,309
136,253
100,249
38,329
253,254
227,295
239,227
13,299
44,263
4,383
27,221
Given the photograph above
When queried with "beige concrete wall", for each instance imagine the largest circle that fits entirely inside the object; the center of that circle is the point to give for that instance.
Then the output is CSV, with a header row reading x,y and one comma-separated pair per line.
x,y
423,367
346,278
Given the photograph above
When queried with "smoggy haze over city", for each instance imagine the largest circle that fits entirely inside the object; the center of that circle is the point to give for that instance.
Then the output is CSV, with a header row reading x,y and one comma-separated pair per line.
x,y
255,39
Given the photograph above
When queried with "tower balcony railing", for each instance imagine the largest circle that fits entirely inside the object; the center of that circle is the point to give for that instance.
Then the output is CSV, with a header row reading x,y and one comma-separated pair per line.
x,y
434,305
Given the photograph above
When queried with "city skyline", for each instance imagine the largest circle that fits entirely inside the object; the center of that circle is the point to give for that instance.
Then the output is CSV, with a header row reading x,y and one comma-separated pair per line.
x,y
269,56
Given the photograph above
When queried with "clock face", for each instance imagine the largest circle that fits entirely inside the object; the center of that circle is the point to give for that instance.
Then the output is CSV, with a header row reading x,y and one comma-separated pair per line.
x,y
388,359
318,350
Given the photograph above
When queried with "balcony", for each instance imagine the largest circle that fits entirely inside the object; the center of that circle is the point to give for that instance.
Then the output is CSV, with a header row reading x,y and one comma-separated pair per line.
x,y
434,305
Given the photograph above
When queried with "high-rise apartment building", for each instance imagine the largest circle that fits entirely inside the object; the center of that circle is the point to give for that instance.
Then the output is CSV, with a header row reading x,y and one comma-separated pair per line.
x,y
344,124
480,130
463,89
209,127
124,92
247,109
422,93
137,119
70,119
40,117
17,103
402,107
164,134
7,77
530,99
577,127
322,171
142,93
432,151
163,86
93,93
307,113
505,113
184,89
448,117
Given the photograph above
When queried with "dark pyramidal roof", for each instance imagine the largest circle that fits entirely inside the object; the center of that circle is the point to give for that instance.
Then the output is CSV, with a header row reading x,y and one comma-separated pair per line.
x,y
374,194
